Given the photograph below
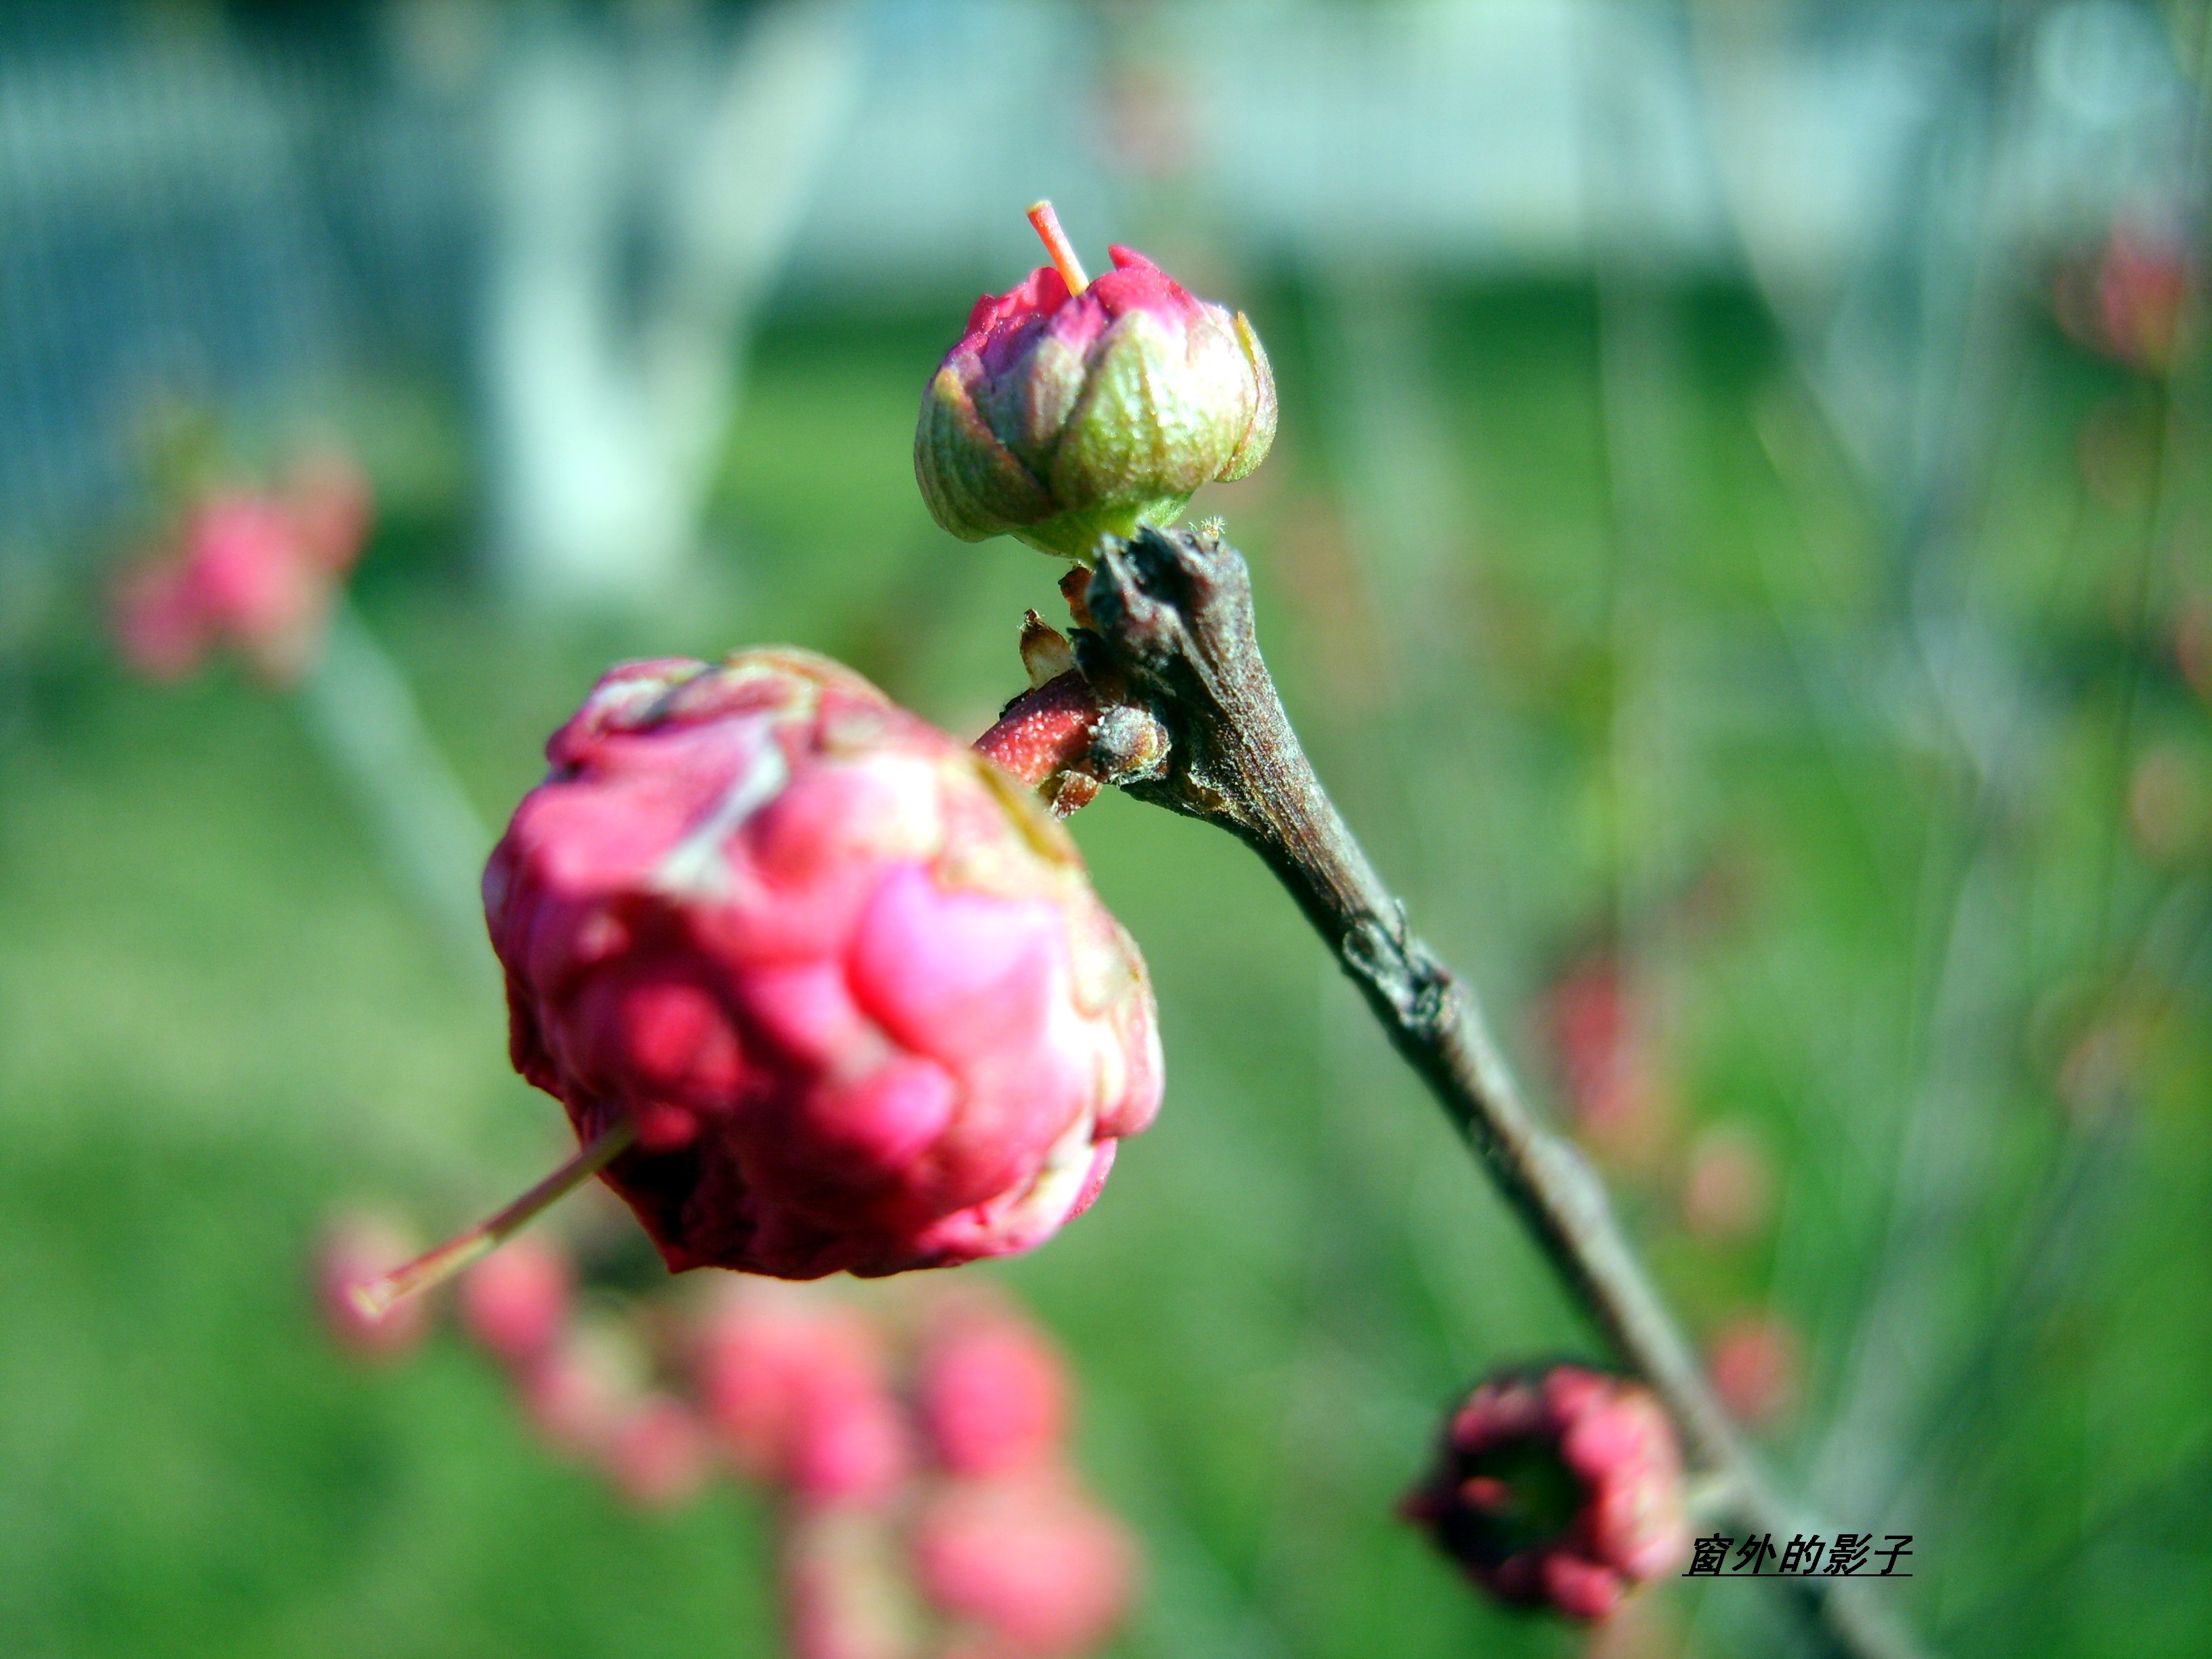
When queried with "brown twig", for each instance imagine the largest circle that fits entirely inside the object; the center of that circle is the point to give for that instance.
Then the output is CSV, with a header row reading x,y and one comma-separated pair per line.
x,y
1167,633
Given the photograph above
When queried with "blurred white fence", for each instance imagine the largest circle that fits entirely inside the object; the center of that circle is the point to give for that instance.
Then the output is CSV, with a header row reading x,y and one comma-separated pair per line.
x,y
241,211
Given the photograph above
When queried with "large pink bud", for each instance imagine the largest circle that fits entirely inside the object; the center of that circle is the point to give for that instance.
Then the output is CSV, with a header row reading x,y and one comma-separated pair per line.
x,y
1558,1489
846,989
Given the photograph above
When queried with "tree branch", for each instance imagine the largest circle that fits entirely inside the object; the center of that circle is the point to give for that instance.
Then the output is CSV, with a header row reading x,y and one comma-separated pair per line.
x,y
1166,629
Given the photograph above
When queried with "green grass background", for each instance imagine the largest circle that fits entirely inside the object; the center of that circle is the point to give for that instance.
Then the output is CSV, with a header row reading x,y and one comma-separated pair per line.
x,y
1588,653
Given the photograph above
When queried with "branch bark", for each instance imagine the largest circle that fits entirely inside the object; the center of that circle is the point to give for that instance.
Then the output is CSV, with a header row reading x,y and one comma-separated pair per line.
x,y
1165,627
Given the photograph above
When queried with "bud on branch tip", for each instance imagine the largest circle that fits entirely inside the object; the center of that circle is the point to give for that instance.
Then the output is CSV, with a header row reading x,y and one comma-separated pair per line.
x,y
1070,409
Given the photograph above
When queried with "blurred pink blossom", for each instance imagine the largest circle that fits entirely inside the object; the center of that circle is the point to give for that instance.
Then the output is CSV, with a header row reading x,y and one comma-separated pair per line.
x,y
1756,1362
253,571
515,1301
355,1248
1032,1566
991,1388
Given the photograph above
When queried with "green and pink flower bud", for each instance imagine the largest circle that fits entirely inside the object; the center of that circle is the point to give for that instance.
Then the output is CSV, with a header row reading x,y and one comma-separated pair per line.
x,y
1073,409
1561,1488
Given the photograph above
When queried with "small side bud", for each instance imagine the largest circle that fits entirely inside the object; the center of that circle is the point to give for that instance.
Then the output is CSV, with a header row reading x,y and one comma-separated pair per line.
x,y
1045,654
1045,734
1129,744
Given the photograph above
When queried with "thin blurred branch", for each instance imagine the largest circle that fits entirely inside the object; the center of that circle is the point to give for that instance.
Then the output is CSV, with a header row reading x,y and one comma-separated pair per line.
x,y
357,708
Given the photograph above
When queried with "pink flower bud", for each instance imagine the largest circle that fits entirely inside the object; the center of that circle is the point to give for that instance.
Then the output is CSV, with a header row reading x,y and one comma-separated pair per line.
x,y
1029,1565
1072,409
1561,1488
515,1302
356,1248
798,1389
992,1391
850,989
